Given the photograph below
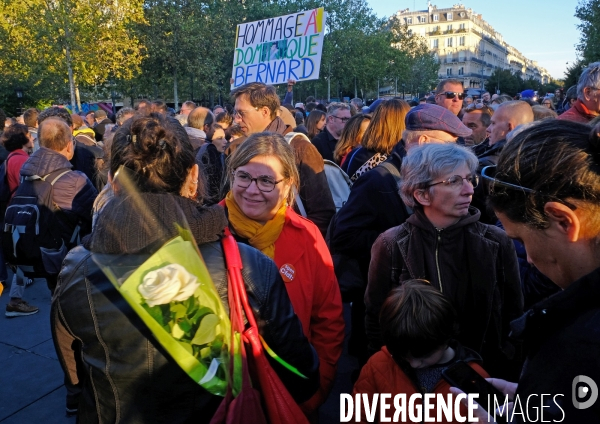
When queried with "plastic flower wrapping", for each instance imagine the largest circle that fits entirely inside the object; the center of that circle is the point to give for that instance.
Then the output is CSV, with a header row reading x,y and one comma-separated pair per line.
x,y
172,292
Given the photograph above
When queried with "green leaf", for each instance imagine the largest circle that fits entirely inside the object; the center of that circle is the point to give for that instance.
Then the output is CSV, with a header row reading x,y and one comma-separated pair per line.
x,y
207,330
177,332
155,312
179,310
185,325
187,347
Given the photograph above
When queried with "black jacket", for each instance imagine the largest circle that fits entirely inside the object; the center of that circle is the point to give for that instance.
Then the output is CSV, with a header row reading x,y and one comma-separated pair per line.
x,y
128,377
325,144
561,340
488,156
473,264
373,206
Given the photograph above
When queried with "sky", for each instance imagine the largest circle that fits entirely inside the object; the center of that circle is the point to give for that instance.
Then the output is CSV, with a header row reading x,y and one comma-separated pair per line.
x,y
543,30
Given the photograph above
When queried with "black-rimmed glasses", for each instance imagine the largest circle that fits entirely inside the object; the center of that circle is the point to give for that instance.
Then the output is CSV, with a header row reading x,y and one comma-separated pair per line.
x,y
264,183
344,120
456,181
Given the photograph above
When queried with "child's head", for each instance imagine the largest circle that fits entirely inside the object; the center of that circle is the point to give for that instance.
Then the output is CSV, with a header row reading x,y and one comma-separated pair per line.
x,y
417,322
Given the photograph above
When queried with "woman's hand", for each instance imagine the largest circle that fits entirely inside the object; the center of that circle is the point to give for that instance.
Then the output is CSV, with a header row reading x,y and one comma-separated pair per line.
x,y
483,417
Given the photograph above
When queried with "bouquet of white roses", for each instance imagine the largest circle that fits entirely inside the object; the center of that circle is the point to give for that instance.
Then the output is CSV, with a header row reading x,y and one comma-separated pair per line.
x,y
173,294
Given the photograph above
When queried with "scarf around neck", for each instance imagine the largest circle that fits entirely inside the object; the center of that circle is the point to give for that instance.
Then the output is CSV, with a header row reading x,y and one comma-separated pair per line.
x,y
261,237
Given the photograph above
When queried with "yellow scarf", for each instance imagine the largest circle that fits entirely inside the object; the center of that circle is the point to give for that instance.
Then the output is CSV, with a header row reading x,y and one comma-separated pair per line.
x,y
261,237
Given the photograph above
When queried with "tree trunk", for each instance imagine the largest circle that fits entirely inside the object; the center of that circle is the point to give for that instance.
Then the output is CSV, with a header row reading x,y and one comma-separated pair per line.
x,y
77,97
175,97
71,80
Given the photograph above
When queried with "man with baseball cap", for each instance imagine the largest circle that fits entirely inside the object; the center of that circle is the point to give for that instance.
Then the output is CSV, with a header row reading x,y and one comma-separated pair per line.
x,y
374,206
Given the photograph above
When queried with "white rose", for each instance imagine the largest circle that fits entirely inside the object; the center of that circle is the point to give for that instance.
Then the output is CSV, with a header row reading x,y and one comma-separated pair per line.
x,y
167,284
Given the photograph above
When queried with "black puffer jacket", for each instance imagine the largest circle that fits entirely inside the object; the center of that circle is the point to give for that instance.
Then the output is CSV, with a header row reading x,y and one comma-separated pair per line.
x,y
473,264
127,376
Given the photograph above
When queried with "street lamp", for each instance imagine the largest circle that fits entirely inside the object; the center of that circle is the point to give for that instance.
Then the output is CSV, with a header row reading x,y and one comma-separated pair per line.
x,y
403,91
19,93
220,84
112,96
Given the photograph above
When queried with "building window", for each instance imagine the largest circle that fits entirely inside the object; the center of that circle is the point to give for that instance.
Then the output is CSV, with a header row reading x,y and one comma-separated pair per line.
x,y
409,21
436,18
422,19
461,71
449,16
449,42
449,27
434,43
461,41
461,26
448,72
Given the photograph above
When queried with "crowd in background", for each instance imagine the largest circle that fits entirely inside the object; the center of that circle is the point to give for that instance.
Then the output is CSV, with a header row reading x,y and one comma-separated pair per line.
x,y
453,238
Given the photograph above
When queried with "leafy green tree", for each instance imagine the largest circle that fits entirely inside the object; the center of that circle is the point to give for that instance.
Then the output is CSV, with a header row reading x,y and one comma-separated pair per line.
x,y
80,41
588,11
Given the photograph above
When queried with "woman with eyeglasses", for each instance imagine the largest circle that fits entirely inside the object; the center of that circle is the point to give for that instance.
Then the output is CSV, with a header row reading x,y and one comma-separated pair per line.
x,y
264,179
124,373
379,139
473,264
546,192
548,103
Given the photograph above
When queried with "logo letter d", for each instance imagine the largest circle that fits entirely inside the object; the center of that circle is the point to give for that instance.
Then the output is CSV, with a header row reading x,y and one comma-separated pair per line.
x,y
580,392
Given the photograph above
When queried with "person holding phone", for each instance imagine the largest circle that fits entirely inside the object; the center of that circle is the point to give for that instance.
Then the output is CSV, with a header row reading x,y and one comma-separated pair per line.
x,y
555,215
418,326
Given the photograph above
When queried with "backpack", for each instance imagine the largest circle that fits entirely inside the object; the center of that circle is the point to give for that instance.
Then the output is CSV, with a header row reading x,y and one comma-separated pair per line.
x,y
338,181
34,227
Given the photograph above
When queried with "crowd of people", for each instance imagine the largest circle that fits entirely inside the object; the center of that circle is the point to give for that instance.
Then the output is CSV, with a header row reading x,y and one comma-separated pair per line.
x,y
468,231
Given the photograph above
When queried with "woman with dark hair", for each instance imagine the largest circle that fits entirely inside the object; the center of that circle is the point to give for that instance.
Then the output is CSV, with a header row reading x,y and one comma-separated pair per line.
x,y
351,136
126,376
555,215
19,143
383,133
315,123
263,179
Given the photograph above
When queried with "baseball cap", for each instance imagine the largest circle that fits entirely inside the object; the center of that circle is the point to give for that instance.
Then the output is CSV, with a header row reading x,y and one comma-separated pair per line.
x,y
433,117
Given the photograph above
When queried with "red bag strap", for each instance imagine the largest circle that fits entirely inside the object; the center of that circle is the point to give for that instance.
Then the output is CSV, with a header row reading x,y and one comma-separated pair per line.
x,y
234,270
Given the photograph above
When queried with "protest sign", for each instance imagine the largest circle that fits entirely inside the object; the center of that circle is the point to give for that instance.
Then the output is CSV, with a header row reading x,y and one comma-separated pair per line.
x,y
277,49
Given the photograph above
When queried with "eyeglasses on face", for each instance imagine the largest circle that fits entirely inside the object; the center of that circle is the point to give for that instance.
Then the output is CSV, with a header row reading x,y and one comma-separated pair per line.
x,y
264,183
453,94
456,181
242,113
479,106
344,120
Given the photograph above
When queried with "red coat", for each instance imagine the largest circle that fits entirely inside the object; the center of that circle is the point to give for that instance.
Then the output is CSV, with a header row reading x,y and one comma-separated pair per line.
x,y
301,253
578,113
381,374
13,170
306,266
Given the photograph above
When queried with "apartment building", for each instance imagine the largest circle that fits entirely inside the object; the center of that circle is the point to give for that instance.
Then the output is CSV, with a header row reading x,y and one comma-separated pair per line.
x,y
467,47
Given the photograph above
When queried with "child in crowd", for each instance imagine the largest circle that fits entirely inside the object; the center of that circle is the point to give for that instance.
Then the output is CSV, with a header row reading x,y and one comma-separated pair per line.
x,y
418,326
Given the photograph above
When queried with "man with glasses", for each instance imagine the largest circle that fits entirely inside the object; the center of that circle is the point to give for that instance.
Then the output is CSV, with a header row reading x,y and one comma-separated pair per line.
x,y
477,117
587,106
338,114
449,94
187,107
256,110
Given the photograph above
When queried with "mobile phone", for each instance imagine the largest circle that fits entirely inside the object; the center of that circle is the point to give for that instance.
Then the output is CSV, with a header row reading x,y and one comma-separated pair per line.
x,y
461,375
